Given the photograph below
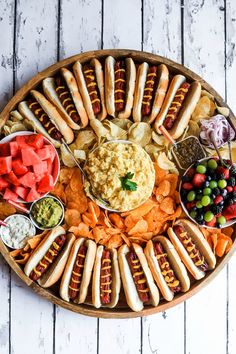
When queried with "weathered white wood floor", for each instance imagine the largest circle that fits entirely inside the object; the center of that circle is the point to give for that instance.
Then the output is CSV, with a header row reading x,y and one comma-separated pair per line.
x,y
200,34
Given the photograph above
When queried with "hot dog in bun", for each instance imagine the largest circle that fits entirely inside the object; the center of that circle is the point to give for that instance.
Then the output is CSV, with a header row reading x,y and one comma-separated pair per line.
x,y
192,248
120,78
62,91
78,271
90,80
106,278
47,262
167,269
137,278
45,119
150,89
178,106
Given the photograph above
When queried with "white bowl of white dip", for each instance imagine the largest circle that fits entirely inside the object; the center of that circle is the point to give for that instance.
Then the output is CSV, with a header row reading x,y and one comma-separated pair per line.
x,y
19,230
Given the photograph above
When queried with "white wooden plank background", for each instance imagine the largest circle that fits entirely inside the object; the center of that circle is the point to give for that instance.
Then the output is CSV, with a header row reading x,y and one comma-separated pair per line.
x,y
200,34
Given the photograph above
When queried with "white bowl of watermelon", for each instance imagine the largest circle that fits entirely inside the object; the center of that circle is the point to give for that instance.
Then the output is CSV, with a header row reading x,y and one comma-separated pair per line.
x,y
208,193
29,167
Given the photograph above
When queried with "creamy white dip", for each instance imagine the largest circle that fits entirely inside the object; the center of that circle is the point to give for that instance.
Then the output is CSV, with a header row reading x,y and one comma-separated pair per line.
x,y
20,229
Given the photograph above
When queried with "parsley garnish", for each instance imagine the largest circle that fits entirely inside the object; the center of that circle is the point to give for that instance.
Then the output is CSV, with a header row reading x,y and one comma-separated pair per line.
x,y
127,184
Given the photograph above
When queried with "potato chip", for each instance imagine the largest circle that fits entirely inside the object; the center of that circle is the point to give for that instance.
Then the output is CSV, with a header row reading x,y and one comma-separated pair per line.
x,y
168,205
115,132
94,208
141,210
123,123
228,231
158,139
80,154
6,209
164,162
76,182
205,109
153,149
87,219
164,188
65,175
59,191
138,240
81,230
208,94
144,235
159,198
100,235
99,129
126,239
85,139
72,217
192,129
20,257
140,133
117,220
114,242
173,179
160,173
131,221
140,227
66,157
34,241
92,212
112,230
223,110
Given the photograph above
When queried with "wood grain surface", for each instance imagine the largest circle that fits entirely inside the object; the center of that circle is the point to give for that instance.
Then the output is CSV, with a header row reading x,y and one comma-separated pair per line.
x,y
37,33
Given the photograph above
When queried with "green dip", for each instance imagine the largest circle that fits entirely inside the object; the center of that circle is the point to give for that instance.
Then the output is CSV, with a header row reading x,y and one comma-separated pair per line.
x,y
47,212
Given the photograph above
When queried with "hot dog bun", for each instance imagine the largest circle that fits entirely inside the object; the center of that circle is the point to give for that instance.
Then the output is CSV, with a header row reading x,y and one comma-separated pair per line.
x,y
77,68
201,243
54,116
29,115
116,283
186,111
159,92
55,271
49,88
176,82
131,292
175,264
87,270
110,87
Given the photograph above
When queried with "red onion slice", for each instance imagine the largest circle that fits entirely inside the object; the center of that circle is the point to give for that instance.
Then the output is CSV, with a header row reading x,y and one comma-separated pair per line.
x,y
219,127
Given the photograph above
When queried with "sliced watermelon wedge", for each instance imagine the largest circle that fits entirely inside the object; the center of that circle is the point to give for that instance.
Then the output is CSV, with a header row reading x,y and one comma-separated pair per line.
x,y
28,180
29,156
33,195
46,184
5,165
10,195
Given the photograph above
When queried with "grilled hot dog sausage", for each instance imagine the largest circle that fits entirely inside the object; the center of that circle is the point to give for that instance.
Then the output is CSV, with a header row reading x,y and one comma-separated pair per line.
x,y
66,99
186,240
176,105
120,85
138,276
39,113
149,91
90,80
48,258
106,277
168,273
77,273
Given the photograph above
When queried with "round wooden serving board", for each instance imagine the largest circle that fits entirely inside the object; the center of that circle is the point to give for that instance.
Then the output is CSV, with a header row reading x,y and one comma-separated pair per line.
x,y
121,311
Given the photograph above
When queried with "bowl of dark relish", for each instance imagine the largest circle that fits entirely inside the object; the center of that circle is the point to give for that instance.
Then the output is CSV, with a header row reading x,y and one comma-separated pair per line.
x,y
208,192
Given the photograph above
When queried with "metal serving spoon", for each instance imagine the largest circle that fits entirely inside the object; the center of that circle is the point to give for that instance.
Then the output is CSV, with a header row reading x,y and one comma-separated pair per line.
x,y
85,177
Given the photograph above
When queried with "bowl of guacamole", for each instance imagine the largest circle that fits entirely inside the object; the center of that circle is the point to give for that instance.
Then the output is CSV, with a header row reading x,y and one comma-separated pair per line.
x,y
47,212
